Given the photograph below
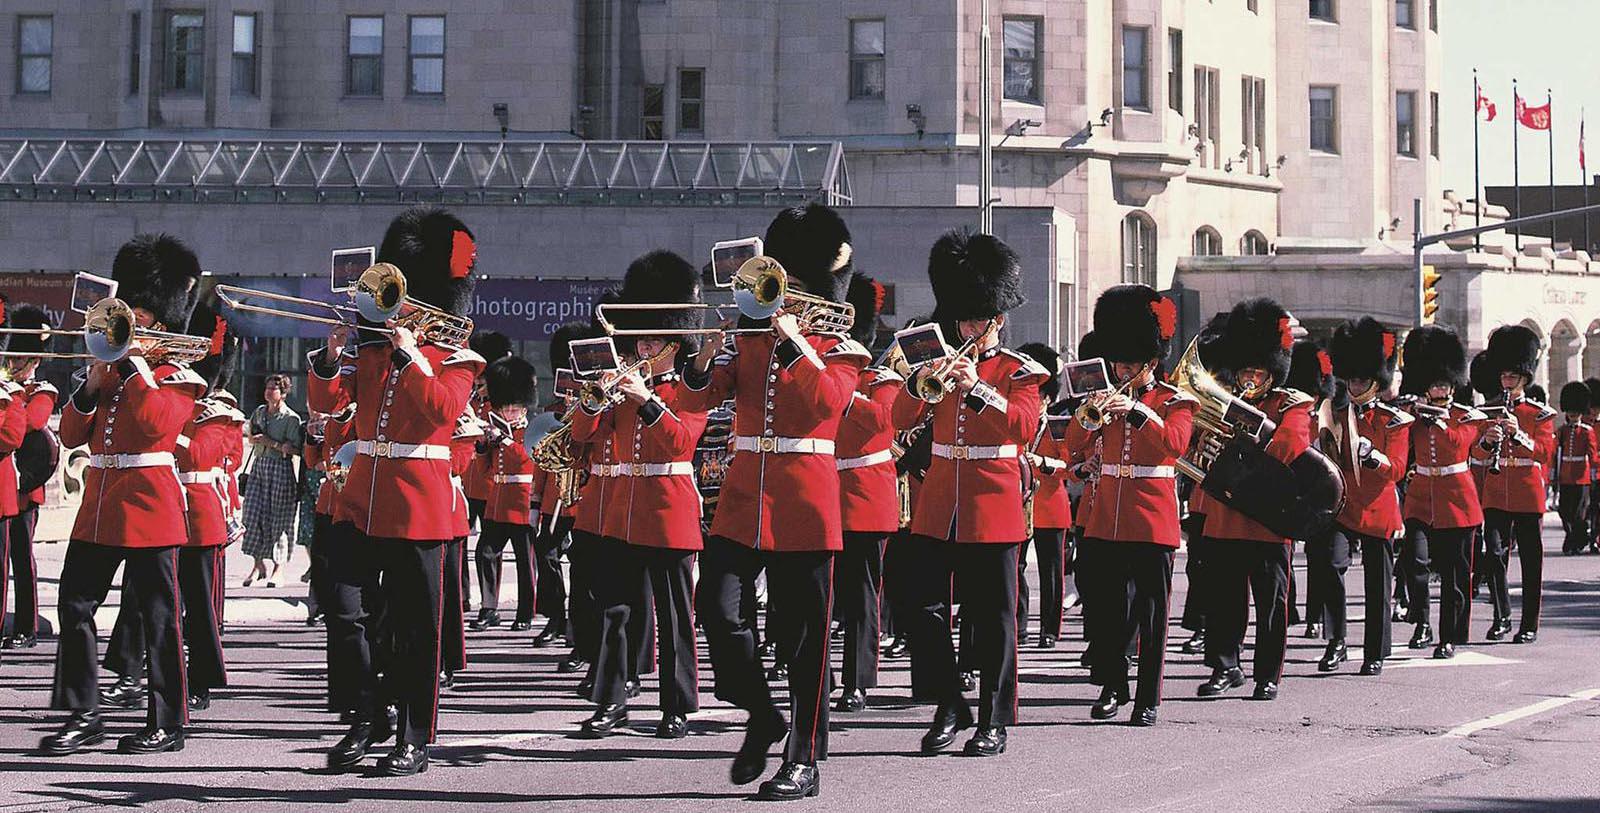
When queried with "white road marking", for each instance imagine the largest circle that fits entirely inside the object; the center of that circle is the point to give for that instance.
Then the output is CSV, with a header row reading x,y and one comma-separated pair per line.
x,y
515,738
1462,658
1505,717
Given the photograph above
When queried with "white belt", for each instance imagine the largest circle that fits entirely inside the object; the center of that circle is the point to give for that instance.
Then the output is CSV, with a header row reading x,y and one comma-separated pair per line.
x,y
1442,471
1126,471
1569,459
1519,462
975,452
638,469
402,451
455,481
513,478
211,478
131,461
772,445
863,461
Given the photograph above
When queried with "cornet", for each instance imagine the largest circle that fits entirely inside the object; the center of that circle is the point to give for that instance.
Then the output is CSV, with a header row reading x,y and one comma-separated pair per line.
x,y
598,395
935,384
1091,413
379,295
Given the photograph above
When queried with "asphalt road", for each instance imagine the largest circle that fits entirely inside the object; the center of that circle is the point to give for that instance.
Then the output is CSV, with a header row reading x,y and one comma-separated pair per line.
x,y
1503,728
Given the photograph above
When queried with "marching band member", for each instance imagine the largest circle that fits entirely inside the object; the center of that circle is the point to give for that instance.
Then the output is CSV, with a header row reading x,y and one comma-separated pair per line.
x,y
1254,350
1368,440
39,397
13,426
1578,454
779,506
1131,530
492,346
1196,566
559,517
1310,372
464,440
1592,515
1518,447
1442,510
1051,511
133,506
400,479
511,385
968,520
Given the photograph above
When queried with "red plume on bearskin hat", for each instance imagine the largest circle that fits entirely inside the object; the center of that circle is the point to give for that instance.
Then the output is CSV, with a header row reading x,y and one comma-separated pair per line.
x,y
974,276
1363,349
437,253
1513,348
218,368
159,274
1432,355
510,380
1311,370
1135,323
812,243
866,296
1256,334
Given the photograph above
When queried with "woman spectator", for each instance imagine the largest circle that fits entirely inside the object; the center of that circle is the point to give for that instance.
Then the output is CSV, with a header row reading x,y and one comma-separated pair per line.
x,y
271,492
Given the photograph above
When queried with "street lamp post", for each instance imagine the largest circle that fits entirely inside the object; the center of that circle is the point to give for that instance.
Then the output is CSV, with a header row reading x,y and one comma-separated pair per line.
x,y
985,147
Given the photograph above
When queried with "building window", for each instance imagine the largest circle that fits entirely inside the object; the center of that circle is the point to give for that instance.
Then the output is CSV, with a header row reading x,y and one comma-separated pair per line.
x,y
1020,64
1139,249
1136,67
1208,113
1433,15
186,57
134,52
653,113
1207,242
1252,6
691,100
1175,69
1253,121
866,59
364,57
246,77
35,36
1433,124
1405,15
1405,123
426,54
1325,119
1323,10
1254,244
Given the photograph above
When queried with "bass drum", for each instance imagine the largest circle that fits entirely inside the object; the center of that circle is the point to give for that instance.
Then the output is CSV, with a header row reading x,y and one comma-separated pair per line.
x,y
37,459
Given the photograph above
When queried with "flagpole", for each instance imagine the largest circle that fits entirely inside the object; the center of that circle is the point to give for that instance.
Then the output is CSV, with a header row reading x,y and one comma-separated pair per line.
x,y
1583,176
1477,168
1516,169
1549,104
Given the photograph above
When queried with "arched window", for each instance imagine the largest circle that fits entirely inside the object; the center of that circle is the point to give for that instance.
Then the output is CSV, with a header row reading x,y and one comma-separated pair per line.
x,y
1139,249
1207,242
1254,244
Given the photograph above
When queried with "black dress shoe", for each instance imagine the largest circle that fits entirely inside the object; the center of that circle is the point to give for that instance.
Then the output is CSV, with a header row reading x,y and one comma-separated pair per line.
x,y
969,681
521,626
152,741
447,679
1047,642
1143,716
1335,654
199,701
1398,613
1444,652
794,780
81,729
1221,681
759,735
897,648
485,620
28,641
353,746
573,663
1196,645
126,693
1265,690
1313,630
586,687
852,700
778,673
988,742
313,619
631,688
1525,637
1422,638
547,636
672,727
1111,699
1371,668
1499,629
406,759
606,719
948,720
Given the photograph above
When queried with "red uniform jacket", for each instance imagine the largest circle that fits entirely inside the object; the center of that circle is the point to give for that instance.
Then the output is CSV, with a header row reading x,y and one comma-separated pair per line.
x,y
475,480
1372,505
134,506
1520,485
13,425
976,495
1291,411
463,451
869,488
788,396
647,504
41,397
1136,496
511,476
400,486
1576,454
202,449
1052,506
339,430
590,512
1443,492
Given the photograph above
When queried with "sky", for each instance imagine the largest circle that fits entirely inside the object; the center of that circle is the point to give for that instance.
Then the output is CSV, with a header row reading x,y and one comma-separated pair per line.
x,y
1545,45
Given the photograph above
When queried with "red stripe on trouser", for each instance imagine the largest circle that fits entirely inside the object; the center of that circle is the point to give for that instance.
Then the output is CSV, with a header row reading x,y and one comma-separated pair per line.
x,y
1288,573
438,652
177,623
822,672
1016,694
694,651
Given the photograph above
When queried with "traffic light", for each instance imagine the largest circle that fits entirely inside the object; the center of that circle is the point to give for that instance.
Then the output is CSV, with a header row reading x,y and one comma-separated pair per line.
x,y
1430,293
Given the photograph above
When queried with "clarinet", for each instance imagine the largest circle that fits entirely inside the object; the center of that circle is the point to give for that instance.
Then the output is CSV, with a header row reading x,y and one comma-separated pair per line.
x,y
1500,446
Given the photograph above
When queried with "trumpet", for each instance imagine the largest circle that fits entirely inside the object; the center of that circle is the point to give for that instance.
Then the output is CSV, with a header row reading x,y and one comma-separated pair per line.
x,y
379,295
760,291
935,384
1091,414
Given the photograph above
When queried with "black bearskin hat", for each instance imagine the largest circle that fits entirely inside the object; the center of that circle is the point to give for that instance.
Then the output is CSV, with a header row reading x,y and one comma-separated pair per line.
x,y
1432,355
1536,393
1575,397
1135,322
1483,377
1050,360
491,344
25,317
510,380
813,245
1257,334
866,295
1311,370
660,277
1594,391
974,276
1364,349
561,340
436,252
1513,347
1089,347
158,273
219,367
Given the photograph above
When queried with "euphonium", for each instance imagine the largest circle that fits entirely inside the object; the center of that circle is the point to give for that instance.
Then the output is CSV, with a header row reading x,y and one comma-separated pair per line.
x,y
935,384
1212,428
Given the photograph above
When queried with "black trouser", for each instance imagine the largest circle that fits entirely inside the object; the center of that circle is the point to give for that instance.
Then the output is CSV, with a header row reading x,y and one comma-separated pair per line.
x,y
1448,551
491,544
860,580
894,568
1327,560
18,534
1377,566
1593,513
1500,528
199,577
1133,588
409,577
551,592
1052,581
985,574
1195,570
475,509
1572,503
85,581
321,525
801,581
1244,568
1413,564
452,627
640,581
353,612
583,614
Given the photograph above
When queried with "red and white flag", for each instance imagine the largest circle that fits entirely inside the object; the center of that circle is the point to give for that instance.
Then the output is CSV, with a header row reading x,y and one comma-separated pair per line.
x,y
1485,106
1533,118
1582,163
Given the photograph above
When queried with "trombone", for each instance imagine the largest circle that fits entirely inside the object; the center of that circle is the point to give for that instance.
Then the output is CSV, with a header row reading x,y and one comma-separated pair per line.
x,y
379,295
109,331
760,290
